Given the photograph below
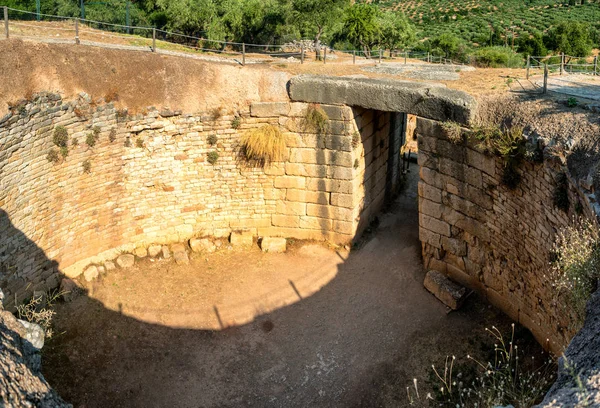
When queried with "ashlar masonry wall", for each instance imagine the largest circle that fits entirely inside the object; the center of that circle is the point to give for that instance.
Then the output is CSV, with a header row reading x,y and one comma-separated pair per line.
x,y
147,180
490,238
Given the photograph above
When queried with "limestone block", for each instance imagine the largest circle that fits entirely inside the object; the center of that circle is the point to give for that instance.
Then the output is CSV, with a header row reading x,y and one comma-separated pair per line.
x,y
34,334
273,244
154,250
290,182
180,254
90,273
434,225
291,208
126,260
140,252
202,245
241,239
166,253
449,293
109,266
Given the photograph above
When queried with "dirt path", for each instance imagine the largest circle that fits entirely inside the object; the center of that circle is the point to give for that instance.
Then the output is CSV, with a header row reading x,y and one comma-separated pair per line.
x,y
358,341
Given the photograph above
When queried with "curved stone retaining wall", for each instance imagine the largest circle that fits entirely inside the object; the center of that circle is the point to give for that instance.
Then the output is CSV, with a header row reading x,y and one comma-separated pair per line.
x,y
149,182
490,238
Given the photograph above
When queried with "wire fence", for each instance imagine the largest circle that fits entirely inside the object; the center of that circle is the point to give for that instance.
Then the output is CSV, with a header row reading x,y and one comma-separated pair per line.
x,y
46,27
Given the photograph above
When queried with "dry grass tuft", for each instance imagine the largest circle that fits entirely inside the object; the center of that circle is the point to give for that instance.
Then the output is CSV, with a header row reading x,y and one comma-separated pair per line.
x,y
316,119
453,132
264,145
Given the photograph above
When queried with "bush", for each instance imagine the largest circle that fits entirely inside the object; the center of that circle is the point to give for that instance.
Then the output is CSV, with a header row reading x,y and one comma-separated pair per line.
x,y
212,139
213,157
139,143
572,102
263,145
112,136
61,136
52,156
453,132
87,166
34,312
316,120
576,266
236,122
495,57
90,140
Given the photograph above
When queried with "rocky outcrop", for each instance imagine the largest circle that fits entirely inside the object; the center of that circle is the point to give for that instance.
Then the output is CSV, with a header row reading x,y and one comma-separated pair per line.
x,y
578,383
21,382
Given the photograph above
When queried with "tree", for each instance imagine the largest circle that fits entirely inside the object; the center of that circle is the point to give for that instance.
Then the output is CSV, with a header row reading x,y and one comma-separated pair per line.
x,y
361,26
447,42
396,31
320,14
570,37
532,45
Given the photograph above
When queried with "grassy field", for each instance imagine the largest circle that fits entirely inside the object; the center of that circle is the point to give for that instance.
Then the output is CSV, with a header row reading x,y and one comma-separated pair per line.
x,y
479,21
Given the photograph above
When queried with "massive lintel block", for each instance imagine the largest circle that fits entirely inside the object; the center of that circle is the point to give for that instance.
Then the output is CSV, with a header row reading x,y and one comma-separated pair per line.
x,y
433,101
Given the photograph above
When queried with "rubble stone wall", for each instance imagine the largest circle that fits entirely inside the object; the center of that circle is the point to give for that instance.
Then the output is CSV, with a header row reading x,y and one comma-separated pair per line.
x,y
130,181
490,238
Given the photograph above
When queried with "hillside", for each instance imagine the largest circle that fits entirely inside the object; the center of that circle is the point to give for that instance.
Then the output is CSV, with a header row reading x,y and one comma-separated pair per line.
x,y
479,21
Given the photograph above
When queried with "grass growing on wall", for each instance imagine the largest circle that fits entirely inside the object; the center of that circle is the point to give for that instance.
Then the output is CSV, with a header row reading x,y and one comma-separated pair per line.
x,y
264,145
316,119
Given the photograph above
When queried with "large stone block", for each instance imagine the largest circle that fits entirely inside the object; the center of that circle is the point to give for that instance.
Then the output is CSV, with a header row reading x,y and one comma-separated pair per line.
x,y
273,244
448,292
241,239
126,260
434,225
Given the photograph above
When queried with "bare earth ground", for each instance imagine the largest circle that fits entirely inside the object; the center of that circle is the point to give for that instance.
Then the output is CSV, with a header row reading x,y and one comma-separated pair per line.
x,y
151,336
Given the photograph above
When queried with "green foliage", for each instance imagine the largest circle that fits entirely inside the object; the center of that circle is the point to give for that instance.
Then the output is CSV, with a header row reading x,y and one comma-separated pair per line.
x,y
453,132
572,102
361,26
355,139
64,151
52,156
395,31
139,143
86,166
571,38
212,139
532,45
90,139
319,14
236,122
497,57
60,136
316,120
112,136
213,157
447,43
576,266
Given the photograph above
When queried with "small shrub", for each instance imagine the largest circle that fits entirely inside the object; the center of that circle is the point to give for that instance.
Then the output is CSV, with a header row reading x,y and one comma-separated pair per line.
x,y
96,132
572,102
139,143
64,151
74,142
34,312
122,114
316,120
60,136
90,140
213,157
87,167
215,113
22,111
453,132
236,122
576,265
53,156
561,193
112,136
212,139
265,144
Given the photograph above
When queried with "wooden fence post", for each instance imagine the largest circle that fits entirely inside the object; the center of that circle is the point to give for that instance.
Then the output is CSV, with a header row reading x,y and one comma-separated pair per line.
x,y
354,56
6,20
528,65
405,56
243,54
545,89
154,40
562,62
325,55
596,65
302,54
380,54
428,57
77,31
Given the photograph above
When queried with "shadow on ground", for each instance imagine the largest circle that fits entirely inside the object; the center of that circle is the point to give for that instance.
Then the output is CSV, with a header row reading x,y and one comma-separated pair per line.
x,y
357,342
